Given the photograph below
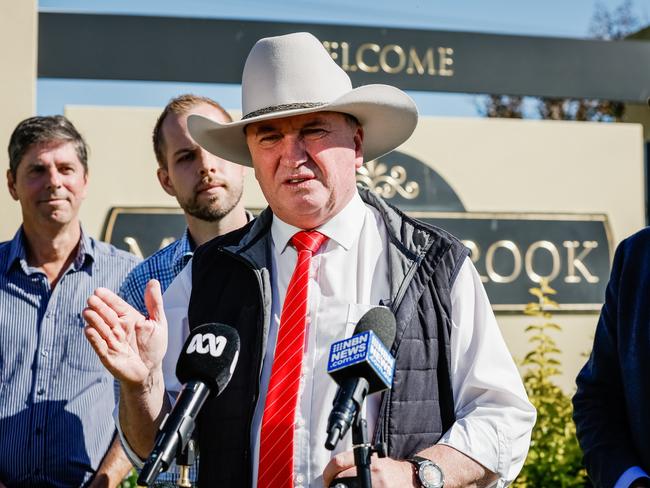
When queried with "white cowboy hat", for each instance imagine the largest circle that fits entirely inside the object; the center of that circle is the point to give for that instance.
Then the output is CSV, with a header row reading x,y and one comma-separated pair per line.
x,y
294,74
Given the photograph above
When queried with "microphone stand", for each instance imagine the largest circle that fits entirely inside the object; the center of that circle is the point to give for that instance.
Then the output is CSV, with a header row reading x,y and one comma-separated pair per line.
x,y
185,457
363,450
184,460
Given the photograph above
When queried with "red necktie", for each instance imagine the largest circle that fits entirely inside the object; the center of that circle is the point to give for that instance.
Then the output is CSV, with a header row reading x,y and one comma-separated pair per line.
x,y
276,445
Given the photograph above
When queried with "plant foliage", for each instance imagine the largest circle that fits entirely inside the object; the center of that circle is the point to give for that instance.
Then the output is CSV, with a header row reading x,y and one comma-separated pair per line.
x,y
554,458
131,480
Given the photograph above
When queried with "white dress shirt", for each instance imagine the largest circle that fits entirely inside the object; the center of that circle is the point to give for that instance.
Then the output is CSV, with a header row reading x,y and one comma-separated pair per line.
x,y
494,416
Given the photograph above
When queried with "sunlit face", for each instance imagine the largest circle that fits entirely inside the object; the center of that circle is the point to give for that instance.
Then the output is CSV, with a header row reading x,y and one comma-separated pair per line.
x,y
50,184
306,165
205,186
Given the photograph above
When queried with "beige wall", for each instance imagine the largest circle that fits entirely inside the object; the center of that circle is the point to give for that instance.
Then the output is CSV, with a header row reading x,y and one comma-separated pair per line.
x,y
18,45
575,341
507,165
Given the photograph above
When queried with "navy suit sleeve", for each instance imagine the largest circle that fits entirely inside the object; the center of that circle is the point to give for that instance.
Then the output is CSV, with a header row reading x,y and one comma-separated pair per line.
x,y
600,411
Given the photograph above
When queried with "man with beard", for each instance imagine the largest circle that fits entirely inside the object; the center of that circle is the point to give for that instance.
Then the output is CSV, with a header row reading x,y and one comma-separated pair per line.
x,y
207,188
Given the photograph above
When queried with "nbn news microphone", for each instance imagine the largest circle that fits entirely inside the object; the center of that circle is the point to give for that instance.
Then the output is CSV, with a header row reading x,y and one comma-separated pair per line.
x,y
205,366
361,365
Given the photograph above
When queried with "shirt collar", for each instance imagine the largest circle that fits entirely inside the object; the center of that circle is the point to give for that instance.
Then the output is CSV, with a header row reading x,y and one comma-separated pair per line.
x,y
185,247
344,228
85,250
18,251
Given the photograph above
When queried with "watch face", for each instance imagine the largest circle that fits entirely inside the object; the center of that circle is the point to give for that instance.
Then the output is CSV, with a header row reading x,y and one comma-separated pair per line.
x,y
430,475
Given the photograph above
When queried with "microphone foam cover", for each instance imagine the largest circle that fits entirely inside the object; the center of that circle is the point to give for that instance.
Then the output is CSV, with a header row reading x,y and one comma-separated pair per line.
x,y
209,355
381,321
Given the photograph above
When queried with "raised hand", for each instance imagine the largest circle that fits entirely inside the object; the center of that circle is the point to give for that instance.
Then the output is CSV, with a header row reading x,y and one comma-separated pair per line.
x,y
128,344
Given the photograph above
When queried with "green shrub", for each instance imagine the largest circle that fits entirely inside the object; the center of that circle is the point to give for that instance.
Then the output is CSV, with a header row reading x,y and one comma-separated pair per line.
x,y
131,481
554,458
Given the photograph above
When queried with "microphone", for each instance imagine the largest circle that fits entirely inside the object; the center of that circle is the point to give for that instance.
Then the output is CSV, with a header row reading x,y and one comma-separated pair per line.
x,y
205,366
361,365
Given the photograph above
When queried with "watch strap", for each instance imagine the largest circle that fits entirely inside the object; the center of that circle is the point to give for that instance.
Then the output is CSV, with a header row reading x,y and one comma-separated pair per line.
x,y
417,461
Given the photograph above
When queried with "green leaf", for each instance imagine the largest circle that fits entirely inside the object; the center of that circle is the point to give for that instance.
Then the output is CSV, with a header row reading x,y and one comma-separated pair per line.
x,y
553,325
554,458
538,338
551,303
547,290
533,327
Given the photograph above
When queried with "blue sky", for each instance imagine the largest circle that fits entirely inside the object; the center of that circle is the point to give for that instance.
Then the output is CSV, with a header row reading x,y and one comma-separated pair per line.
x,y
555,18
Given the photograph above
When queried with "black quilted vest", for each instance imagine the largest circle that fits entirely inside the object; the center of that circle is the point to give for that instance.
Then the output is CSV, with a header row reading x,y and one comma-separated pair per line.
x,y
231,285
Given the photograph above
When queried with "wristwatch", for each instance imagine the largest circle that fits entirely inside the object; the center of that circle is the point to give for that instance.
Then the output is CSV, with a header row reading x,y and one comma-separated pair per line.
x,y
428,473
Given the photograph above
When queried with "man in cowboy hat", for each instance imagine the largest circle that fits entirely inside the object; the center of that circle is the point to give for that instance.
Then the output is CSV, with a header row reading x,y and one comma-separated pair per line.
x,y
298,279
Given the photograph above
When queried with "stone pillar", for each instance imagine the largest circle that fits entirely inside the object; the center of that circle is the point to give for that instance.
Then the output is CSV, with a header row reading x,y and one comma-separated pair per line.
x,y
18,58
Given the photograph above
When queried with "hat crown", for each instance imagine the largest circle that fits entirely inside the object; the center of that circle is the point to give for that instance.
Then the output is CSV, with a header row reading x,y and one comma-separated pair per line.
x,y
293,69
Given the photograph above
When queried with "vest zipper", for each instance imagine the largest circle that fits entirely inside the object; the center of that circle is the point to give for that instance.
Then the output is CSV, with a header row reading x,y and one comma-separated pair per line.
x,y
381,429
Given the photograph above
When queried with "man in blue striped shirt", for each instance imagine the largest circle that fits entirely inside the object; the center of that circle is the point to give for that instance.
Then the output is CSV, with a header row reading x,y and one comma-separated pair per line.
x,y
207,188
56,398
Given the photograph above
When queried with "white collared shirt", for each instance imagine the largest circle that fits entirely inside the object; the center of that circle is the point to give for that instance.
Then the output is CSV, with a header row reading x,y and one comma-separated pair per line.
x,y
494,416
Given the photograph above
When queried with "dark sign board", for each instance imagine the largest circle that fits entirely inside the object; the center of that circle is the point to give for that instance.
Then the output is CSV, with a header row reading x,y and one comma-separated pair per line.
x,y
213,51
510,251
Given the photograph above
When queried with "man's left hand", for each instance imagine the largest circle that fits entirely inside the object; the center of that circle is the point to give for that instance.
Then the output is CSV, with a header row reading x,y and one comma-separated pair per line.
x,y
385,472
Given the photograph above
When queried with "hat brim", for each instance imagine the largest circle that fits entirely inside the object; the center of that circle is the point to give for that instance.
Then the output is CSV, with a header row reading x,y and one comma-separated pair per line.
x,y
387,114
